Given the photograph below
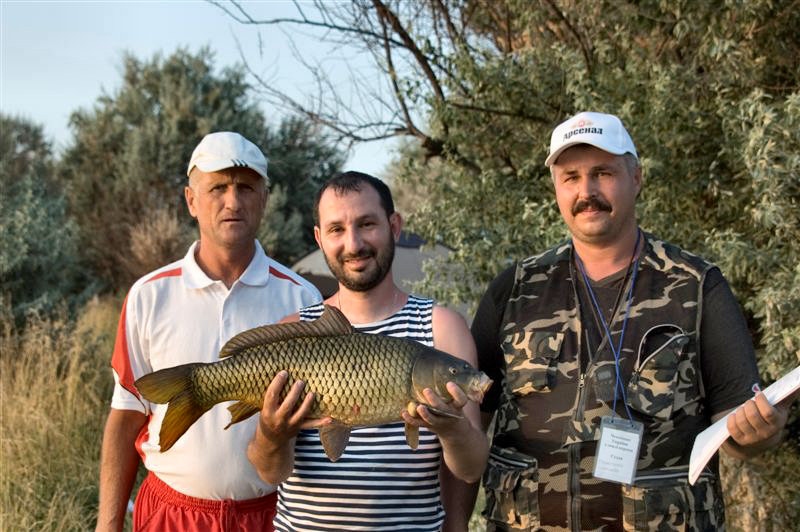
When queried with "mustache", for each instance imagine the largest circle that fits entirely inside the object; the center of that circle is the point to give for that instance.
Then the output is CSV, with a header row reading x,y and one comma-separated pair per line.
x,y
592,203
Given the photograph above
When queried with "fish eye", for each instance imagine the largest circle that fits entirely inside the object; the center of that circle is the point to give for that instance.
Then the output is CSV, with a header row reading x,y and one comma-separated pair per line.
x,y
452,370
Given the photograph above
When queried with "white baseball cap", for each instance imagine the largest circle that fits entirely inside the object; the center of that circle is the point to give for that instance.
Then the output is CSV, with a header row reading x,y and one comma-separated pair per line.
x,y
226,149
596,129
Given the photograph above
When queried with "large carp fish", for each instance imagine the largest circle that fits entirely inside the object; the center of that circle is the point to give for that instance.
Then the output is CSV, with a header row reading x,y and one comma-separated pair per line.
x,y
358,379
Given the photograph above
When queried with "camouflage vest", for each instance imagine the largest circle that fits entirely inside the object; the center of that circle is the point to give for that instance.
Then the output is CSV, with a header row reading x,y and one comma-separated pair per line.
x,y
547,424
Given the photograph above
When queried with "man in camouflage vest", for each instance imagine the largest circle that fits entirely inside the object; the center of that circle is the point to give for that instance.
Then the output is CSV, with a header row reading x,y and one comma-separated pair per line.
x,y
610,352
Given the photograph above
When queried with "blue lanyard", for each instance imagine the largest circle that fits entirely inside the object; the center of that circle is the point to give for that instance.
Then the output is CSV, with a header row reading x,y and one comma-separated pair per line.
x,y
618,349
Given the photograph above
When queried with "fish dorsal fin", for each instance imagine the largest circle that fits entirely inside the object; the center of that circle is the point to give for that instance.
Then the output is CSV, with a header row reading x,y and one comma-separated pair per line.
x,y
331,323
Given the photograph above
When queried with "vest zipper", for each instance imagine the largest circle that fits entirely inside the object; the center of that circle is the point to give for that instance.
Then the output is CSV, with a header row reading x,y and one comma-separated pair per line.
x,y
574,457
573,454
574,488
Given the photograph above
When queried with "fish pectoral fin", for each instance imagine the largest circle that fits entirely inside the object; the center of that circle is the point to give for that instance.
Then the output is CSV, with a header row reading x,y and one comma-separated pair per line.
x,y
412,436
334,438
241,411
442,413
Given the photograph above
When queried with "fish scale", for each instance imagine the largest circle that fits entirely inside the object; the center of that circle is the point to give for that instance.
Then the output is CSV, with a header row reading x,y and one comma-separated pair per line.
x,y
342,373
357,379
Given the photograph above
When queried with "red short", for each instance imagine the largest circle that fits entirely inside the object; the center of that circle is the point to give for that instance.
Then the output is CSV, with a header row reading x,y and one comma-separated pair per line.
x,y
160,508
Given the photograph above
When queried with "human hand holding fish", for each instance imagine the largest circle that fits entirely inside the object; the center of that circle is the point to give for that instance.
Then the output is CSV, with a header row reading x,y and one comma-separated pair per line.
x,y
280,420
452,412
437,415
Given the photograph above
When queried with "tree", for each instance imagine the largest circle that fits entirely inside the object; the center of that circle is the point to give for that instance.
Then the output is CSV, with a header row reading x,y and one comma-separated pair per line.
x,y
710,92
38,270
126,168
300,160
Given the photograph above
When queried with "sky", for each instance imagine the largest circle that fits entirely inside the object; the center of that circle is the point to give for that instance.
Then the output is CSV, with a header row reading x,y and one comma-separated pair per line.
x,y
58,56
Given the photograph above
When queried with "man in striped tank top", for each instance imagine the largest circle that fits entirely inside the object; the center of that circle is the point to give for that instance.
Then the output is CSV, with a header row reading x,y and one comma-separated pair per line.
x,y
379,483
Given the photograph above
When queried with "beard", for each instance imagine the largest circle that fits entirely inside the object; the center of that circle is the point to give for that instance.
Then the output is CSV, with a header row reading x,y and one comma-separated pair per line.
x,y
368,278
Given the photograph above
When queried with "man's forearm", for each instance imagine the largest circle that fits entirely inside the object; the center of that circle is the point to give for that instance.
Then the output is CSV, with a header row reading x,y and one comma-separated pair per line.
x,y
458,500
465,452
115,491
119,463
273,463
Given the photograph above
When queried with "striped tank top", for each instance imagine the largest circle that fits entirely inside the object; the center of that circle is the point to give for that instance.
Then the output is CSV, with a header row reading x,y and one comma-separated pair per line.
x,y
379,483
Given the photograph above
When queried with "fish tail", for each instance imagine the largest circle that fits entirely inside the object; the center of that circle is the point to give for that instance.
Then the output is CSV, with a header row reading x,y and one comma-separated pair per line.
x,y
183,410
173,386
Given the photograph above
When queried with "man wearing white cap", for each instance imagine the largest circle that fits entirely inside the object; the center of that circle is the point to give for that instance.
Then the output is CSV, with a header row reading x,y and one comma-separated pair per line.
x,y
610,352
184,312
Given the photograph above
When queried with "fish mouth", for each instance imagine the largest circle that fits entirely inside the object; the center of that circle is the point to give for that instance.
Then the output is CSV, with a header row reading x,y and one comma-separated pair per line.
x,y
479,388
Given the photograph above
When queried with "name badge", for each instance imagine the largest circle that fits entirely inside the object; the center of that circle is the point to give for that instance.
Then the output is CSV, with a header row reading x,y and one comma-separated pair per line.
x,y
618,449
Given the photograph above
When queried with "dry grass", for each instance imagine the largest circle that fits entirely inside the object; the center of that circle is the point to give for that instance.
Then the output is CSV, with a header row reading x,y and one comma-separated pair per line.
x,y
56,383
158,239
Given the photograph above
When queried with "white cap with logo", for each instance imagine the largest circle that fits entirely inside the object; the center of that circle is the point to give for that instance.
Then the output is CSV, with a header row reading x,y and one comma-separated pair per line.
x,y
596,129
226,149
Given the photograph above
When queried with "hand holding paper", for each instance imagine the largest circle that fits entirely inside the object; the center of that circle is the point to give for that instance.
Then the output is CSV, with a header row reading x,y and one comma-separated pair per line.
x,y
756,425
709,441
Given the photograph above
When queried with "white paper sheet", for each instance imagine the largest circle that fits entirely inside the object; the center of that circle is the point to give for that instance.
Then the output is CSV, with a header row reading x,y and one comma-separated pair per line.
x,y
709,441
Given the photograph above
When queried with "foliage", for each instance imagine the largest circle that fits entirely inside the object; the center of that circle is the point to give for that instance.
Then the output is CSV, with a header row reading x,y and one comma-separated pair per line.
x,y
156,239
131,149
300,160
753,504
279,236
127,164
38,259
56,386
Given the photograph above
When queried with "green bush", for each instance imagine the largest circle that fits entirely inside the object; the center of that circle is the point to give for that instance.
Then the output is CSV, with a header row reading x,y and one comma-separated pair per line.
x,y
38,253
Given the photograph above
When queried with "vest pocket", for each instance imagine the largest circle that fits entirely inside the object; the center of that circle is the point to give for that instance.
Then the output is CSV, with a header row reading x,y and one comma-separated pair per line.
x,y
511,484
670,503
651,388
532,360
